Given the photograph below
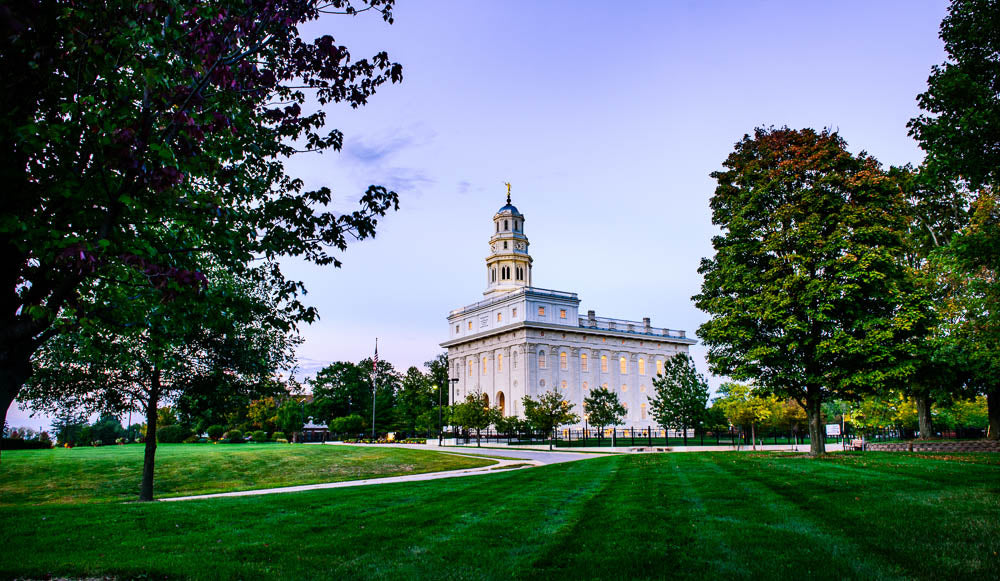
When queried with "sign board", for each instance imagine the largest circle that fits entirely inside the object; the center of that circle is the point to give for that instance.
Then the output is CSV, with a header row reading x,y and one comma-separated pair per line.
x,y
833,429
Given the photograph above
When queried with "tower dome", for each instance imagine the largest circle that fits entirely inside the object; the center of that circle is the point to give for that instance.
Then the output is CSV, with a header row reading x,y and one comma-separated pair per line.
x,y
508,267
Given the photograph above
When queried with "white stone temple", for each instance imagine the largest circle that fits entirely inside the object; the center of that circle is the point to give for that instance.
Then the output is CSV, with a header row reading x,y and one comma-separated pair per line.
x,y
523,340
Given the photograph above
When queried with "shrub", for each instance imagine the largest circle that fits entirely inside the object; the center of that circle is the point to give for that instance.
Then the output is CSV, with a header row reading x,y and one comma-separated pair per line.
x,y
172,434
234,437
192,439
281,441
19,444
215,431
259,436
279,436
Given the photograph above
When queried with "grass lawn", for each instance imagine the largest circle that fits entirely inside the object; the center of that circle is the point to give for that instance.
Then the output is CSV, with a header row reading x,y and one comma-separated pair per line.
x,y
110,473
693,515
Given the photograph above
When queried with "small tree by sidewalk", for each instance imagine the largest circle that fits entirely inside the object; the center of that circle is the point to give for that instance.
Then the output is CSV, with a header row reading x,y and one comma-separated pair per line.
x,y
604,409
548,413
680,395
474,414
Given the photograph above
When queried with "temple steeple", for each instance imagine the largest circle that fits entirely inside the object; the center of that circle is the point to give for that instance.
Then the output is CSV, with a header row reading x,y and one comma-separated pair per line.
x,y
508,267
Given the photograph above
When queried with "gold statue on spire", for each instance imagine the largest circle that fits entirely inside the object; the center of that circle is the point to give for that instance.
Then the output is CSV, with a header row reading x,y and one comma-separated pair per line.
x,y
508,191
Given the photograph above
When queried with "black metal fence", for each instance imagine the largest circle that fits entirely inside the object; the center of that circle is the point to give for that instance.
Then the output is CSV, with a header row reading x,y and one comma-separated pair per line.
x,y
651,437
632,437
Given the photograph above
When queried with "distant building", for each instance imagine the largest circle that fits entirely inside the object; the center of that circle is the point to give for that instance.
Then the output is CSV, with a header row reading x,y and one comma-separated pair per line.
x,y
522,340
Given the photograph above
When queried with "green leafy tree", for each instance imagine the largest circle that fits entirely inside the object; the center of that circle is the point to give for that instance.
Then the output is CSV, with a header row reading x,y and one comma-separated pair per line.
x,y
107,429
214,432
960,134
291,417
154,136
340,389
352,425
681,395
806,292
745,406
602,408
415,397
147,351
548,412
166,416
437,372
262,414
474,414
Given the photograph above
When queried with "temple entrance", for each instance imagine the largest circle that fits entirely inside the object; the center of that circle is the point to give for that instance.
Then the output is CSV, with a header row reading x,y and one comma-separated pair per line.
x,y
501,403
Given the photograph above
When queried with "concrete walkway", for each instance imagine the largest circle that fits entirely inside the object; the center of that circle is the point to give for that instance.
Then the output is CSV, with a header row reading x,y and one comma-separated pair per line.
x,y
518,458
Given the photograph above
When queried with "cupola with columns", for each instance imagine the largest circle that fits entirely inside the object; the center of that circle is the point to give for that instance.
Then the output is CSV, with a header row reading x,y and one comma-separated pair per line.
x,y
508,267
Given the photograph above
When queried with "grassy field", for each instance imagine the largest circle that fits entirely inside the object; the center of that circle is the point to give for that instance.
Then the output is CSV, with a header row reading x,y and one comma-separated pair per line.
x,y
82,475
726,515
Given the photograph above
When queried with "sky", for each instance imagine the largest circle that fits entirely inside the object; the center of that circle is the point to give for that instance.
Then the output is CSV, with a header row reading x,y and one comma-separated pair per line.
x,y
608,119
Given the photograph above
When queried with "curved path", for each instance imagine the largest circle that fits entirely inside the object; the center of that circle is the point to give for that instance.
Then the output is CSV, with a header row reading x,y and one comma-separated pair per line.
x,y
515,459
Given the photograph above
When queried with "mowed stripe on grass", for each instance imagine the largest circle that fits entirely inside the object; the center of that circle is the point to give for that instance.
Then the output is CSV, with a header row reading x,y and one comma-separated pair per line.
x,y
644,516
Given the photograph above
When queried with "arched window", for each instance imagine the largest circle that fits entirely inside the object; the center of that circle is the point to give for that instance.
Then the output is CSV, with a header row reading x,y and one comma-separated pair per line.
x,y
604,363
499,362
493,274
505,226
563,384
563,363
499,317
642,411
642,366
486,400
604,386
498,226
623,365
541,359
585,388
471,366
659,367
583,362
501,403
624,387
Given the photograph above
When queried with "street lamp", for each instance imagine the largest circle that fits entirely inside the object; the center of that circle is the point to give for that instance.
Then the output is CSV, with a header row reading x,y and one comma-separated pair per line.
x,y
454,381
438,388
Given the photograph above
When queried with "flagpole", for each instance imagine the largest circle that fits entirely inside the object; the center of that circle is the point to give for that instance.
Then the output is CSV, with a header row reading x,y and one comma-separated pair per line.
x,y
374,374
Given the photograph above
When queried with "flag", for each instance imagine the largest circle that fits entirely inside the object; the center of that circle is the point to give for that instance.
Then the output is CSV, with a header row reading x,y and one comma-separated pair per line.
x,y
375,360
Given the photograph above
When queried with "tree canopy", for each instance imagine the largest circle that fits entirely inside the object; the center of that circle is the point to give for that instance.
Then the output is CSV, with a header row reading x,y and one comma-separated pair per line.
x,y
806,291
603,408
960,134
548,412
680,395
153,136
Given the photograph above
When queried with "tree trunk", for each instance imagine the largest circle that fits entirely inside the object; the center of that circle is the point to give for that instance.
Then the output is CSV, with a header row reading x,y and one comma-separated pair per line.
x,y
753,436
993,411
146,488
924,402
814,413
15,369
